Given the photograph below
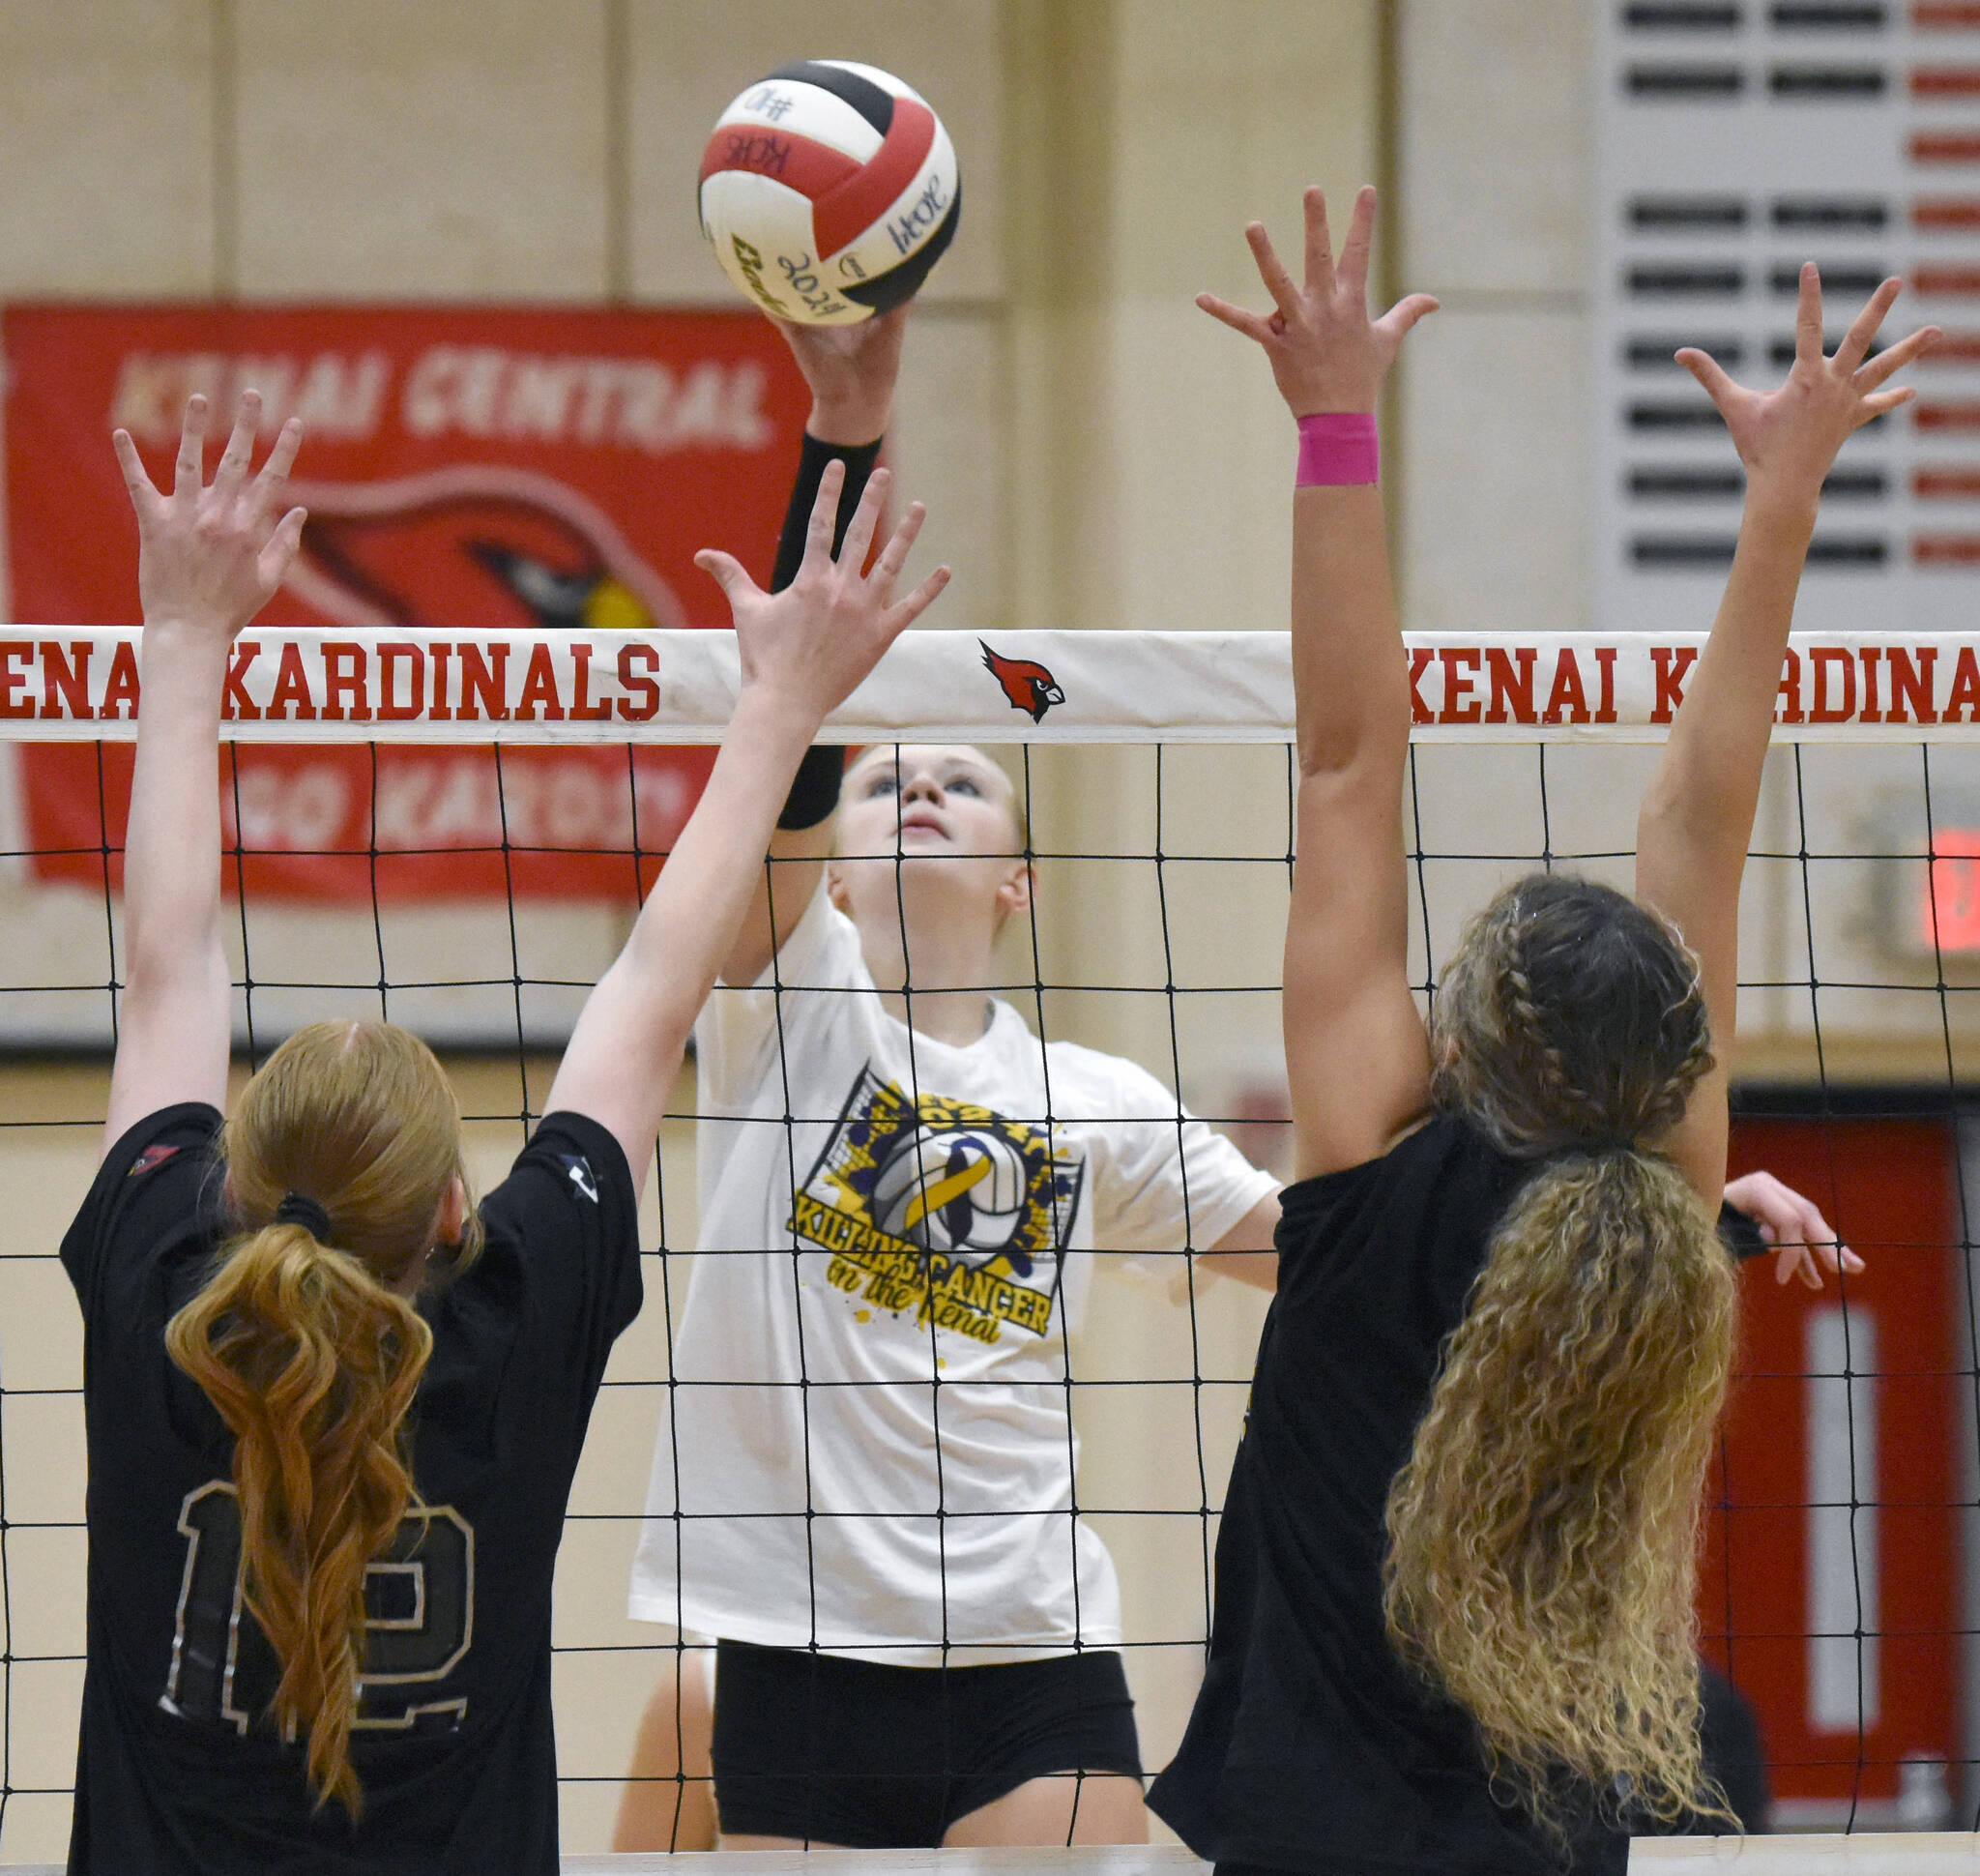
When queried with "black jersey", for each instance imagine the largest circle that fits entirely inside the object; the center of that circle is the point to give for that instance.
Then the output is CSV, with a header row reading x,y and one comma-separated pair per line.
x,y
178,1767
1311,1746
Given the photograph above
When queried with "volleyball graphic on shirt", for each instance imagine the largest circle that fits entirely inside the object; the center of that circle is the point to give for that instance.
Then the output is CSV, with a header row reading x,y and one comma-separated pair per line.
x,y
939,1210
959,1192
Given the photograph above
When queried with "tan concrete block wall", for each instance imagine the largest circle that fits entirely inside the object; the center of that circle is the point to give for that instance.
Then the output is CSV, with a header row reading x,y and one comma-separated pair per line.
x,y
421,149
106,148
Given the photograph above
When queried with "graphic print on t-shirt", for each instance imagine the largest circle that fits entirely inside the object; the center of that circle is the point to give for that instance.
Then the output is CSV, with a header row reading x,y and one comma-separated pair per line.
x,y
940,1207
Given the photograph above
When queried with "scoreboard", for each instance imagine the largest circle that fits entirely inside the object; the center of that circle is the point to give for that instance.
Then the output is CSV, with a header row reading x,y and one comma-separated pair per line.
x,y
1735,139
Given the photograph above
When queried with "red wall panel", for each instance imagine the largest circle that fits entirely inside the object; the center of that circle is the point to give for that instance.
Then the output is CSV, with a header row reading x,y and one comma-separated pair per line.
x,y
1889,1187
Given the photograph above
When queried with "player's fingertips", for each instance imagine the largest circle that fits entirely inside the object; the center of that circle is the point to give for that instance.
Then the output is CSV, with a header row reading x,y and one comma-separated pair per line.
x,y
919,601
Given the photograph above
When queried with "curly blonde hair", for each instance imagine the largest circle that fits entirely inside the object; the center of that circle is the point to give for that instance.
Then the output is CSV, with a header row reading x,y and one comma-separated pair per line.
x,y
1543,1537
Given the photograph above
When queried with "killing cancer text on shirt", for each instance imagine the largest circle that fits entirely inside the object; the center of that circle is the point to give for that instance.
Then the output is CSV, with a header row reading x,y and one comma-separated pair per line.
x,y
940,1209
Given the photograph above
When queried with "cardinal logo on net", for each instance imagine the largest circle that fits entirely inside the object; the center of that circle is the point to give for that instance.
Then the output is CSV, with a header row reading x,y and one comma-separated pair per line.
x,y
1028,684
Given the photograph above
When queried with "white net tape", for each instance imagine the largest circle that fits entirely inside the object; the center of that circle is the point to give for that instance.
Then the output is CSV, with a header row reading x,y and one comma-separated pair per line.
x,y
307,686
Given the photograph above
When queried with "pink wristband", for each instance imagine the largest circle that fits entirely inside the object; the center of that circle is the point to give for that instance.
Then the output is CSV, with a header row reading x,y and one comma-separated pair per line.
x,y
1338,448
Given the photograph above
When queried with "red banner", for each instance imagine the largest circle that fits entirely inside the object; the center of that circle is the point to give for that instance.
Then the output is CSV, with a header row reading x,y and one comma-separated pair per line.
x,y
464,469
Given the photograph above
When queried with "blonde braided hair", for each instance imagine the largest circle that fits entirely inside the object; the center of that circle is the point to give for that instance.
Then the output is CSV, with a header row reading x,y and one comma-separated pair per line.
x,y
1543,1536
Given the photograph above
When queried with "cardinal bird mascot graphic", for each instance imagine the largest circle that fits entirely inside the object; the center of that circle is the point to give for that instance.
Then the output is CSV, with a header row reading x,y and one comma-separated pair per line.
x,y
1029,687
502,547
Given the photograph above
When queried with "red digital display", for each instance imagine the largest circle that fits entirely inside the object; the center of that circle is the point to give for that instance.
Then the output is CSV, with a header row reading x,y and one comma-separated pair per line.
x,y
1949,911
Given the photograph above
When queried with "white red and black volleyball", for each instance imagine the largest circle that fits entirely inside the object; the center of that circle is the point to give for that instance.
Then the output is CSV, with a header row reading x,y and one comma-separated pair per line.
x,y
828,189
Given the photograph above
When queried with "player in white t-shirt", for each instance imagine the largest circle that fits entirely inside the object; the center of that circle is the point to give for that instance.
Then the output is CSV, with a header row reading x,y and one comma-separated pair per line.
x,y
864,1479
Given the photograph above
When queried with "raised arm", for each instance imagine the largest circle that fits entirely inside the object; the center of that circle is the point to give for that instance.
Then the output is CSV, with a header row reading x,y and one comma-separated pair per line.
x,y
1696,816
209,558
803,652
1355,1054
852,371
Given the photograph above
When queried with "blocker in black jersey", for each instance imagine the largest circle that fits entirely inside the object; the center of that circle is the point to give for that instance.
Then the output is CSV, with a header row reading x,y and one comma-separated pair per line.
x,y
1311,1747
179,1770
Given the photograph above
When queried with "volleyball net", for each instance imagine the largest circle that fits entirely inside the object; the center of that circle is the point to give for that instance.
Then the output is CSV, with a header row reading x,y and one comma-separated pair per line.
x,y
451,831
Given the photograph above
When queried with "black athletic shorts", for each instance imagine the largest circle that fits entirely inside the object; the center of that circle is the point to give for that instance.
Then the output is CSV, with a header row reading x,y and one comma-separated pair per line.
x,y
875,1757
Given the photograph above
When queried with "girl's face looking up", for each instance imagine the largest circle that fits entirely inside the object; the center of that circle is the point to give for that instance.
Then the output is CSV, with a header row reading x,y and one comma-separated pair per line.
x,y
902,810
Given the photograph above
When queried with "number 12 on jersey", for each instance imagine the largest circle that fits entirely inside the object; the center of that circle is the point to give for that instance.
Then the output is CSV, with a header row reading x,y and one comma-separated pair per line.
x,y
419,1605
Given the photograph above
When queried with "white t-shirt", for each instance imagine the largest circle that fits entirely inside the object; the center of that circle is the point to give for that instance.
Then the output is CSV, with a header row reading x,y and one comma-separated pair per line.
x,y
917,1488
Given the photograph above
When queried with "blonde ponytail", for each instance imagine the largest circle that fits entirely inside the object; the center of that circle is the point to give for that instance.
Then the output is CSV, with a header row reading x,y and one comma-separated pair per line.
x,y
1543,1537
311,1358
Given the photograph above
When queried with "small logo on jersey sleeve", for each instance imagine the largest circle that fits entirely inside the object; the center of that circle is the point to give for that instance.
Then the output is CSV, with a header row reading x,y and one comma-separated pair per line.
x,y
581,1175
151,1159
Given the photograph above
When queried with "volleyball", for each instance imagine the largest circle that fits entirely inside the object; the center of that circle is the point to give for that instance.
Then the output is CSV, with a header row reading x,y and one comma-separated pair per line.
x,y
829,191
955,1193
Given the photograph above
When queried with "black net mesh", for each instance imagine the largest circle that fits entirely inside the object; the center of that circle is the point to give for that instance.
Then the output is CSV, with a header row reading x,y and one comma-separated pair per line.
x,y
1835,1592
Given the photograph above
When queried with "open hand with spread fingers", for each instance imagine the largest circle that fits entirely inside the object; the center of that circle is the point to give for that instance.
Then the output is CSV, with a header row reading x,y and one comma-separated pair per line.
x,y
211,555
1789,438
1327,354
810,645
